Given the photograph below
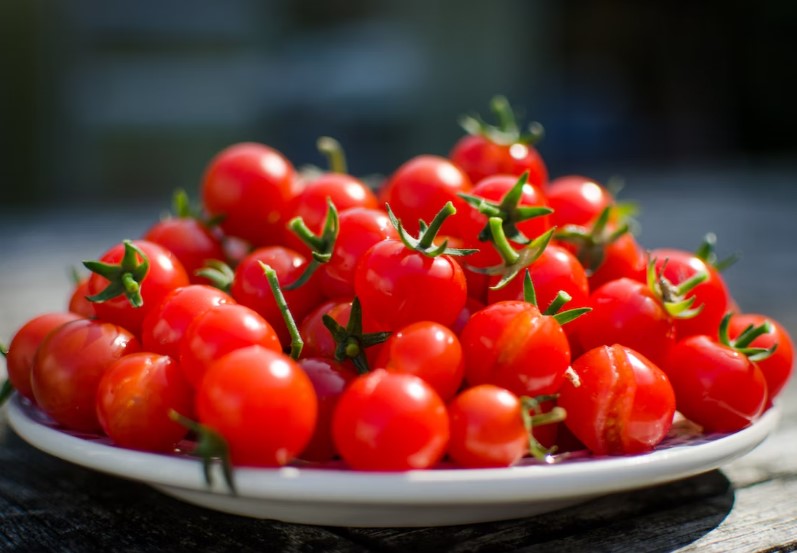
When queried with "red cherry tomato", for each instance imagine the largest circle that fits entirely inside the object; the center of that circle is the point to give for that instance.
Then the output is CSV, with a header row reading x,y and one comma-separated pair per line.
x,y
69,365
165,325
22,349
428,350
134,398
251,185
218,331
623,405
77,300
398,286
480,157
165,273
715,386
576,200
250,287
487,428
329,379
318,340
193,243
622,258
262,403
358,229
711,295
512,345
628,313
423,185
390,422
777,368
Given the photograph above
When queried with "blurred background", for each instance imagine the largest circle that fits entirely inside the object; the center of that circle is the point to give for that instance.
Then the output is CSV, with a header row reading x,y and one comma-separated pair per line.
x,y
106,100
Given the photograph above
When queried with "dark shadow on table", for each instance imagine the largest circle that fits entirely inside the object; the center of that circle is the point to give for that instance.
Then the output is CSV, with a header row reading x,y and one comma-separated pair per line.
x,y
49,505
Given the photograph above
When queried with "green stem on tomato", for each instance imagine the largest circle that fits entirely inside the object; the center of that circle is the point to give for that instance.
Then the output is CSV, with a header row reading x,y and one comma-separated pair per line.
x,y
296,340
210,446
333,151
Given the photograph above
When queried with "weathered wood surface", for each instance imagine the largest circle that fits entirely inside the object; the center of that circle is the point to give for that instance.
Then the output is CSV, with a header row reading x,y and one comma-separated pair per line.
x,y
749,505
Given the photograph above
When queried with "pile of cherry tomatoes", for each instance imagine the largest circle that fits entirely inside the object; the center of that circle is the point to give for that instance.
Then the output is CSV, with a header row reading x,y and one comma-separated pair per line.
x,y
467,310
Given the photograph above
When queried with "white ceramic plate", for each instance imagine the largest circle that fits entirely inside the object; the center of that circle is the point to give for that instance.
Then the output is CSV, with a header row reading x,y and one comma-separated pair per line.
x,y
339,497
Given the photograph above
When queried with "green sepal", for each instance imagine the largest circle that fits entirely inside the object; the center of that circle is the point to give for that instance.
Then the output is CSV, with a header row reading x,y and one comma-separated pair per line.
x,y
591,242
563,317
350,340
507,131
524,257
321,245
745,338
424,244
6,391
508,210
531,412
211,447
124,278
672,297
219,273
707,251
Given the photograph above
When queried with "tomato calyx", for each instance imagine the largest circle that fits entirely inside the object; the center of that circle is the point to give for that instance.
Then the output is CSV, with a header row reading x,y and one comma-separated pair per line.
x,y
507,131
211,447
674,298
124,278
296,340
508,209
591,242
533,416
554,308
707,252
218,273
514,261
424,244
351,341
321,245
742,342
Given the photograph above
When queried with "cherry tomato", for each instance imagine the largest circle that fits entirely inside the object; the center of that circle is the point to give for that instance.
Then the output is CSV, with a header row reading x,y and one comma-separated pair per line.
x,y
358,229
192,243
262,403
622,258
69,365
250,286
318,340
134,398
512,345
22,349
627,312
165,273
487,428
218,331
623,405
390,422
77,300
777,368
398,286
423,185
428,350
329,379
715,386
165,325
479,157
711,295
251,185
576,200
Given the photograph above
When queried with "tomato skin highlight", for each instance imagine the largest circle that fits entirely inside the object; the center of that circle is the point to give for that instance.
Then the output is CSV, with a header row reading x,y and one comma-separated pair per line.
x,y
22,349
624,404
486,428
69,365
716,387
251,185
262,403
135,397
390,422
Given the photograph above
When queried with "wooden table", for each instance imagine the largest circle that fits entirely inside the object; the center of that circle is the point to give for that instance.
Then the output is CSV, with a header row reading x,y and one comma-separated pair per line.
x,y
748,505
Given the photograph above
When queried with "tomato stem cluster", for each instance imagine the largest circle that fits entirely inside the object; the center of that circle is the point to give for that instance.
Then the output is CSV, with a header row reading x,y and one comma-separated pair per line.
x,y
507,131
124,278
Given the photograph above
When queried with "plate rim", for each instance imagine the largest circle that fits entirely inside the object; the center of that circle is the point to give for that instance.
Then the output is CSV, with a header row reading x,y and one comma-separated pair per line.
x,y
533,482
